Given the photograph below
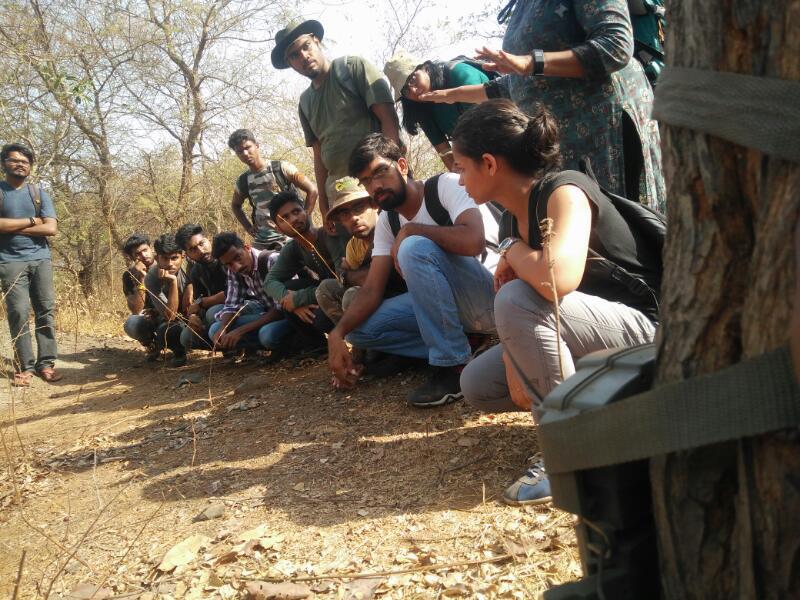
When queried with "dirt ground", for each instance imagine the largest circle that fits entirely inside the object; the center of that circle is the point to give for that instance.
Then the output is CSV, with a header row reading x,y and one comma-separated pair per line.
x,y
105,474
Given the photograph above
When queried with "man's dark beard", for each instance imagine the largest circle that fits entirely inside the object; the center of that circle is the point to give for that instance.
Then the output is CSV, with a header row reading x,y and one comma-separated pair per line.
x,y
394,199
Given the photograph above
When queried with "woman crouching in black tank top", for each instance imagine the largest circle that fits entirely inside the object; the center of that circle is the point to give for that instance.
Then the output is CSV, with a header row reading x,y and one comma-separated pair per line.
x,y
505,155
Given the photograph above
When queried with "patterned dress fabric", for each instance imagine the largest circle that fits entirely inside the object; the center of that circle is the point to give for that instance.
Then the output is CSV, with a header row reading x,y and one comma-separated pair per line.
x,y
590,111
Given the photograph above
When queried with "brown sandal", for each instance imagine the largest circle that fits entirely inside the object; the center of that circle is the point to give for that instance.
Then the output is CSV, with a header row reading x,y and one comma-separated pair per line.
x,y
49,374
22,379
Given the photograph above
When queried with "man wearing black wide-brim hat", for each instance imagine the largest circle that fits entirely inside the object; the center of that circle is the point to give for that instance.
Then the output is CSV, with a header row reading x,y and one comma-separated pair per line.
x,y
347,99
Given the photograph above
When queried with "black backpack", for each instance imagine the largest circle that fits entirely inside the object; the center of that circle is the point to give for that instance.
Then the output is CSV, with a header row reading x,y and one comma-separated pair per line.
x,y
649,226
438,212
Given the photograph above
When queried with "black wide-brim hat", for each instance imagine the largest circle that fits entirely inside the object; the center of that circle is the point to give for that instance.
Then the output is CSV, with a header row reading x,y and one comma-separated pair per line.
x,y
287,35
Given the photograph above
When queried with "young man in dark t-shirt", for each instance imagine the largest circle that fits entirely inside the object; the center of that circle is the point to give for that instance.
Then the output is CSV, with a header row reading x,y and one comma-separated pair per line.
x,y
204,296
262,180
310,255
141,324
166,283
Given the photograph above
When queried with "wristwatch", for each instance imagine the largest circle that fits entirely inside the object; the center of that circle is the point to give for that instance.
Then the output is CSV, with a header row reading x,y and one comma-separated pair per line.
x,y
33,221
506,244
538,62
198,301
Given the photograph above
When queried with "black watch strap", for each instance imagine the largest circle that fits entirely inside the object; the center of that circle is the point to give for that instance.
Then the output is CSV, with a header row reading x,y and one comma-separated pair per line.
x,y
538,62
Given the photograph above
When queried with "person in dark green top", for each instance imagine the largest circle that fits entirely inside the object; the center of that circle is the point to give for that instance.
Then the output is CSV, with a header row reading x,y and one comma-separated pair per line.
x,y
310,254
410,78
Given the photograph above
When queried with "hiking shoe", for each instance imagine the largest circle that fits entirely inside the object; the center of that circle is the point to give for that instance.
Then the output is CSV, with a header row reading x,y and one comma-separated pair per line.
x,y
532,488
177,360
443,387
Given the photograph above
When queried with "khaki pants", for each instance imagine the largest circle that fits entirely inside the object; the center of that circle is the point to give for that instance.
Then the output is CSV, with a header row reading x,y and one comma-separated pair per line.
x,y
333,298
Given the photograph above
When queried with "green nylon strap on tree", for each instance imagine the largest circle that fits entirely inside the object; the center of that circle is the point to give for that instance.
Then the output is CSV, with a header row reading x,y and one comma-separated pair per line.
x,y
753,397
762,113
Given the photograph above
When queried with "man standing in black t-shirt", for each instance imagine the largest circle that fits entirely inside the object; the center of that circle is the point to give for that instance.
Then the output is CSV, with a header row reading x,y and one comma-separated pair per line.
x,y
204,296
141,324
262,180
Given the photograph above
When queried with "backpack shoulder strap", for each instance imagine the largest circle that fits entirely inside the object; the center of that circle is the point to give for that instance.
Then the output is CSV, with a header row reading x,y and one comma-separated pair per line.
x,y
2,197
263,263
277,172
342,72
36,198
434,204
394,222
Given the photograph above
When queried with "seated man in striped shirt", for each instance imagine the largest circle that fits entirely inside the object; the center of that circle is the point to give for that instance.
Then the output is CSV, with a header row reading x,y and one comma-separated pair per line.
x,y
249,318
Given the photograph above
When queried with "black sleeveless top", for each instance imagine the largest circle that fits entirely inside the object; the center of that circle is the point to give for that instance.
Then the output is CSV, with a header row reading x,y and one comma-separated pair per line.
x,y
611,237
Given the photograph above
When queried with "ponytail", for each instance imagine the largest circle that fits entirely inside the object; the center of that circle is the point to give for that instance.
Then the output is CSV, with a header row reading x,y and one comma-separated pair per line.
x,y
529,143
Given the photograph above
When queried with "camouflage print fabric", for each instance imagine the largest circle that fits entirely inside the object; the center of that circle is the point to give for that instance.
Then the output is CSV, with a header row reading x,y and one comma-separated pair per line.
x,y
260,189
590,110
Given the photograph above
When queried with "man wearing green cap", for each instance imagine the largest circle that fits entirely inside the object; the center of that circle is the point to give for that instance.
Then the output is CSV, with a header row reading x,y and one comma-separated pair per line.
x,y
347,99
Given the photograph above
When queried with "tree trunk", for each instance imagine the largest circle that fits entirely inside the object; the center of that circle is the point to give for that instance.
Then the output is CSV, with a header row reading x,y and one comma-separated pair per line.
x,y
728,515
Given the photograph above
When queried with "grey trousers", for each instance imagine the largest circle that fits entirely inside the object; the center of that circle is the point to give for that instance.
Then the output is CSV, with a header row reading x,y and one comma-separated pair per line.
x,y
26,283
333,298
526,325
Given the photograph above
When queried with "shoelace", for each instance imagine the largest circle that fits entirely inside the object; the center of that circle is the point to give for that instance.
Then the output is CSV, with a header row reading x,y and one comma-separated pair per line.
x,y
536,469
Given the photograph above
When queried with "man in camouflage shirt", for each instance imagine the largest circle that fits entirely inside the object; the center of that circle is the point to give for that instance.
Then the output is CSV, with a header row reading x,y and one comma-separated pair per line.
x,y
262,180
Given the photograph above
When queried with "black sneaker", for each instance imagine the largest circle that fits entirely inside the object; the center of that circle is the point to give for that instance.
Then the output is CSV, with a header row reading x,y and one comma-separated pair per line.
x,y
178,360
443,387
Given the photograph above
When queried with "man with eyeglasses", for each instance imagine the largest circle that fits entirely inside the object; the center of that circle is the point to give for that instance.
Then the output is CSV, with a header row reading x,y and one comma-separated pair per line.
x,y
27,219
347,99
450,291
204,295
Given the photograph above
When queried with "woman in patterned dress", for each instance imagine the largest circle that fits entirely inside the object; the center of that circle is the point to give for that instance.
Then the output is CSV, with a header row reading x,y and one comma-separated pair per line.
x,y
587,78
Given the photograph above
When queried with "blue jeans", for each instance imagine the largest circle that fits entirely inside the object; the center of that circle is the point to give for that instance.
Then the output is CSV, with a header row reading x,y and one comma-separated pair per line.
x,y
26,283
269,337
191,339
448,295
140,329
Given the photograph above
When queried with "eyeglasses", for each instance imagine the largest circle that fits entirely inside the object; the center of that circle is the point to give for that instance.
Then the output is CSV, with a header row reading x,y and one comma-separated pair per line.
x,y
380,172
412,81
17,161
351,210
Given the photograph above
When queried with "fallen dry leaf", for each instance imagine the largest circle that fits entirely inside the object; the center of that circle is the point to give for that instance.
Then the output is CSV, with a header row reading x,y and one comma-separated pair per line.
x,y
260,590
300,487
183,553
212,511
362,589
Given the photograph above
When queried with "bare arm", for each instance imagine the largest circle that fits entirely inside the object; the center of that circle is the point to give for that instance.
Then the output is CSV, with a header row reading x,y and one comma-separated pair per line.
x,y
305,184
471,94
365,303
321,174
572,222
390,125
135,301
173,299
237,201
46,226
368,299
465,237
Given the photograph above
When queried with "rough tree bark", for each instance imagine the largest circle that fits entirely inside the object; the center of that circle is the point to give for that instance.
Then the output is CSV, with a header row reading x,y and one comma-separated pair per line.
x,y
729,515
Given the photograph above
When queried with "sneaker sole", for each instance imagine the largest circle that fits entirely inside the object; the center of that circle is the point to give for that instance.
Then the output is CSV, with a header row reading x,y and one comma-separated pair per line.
x,y
446,399
512,502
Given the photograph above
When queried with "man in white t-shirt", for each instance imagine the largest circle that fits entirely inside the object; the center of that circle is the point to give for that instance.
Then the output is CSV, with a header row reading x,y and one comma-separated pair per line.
x,y
450,289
